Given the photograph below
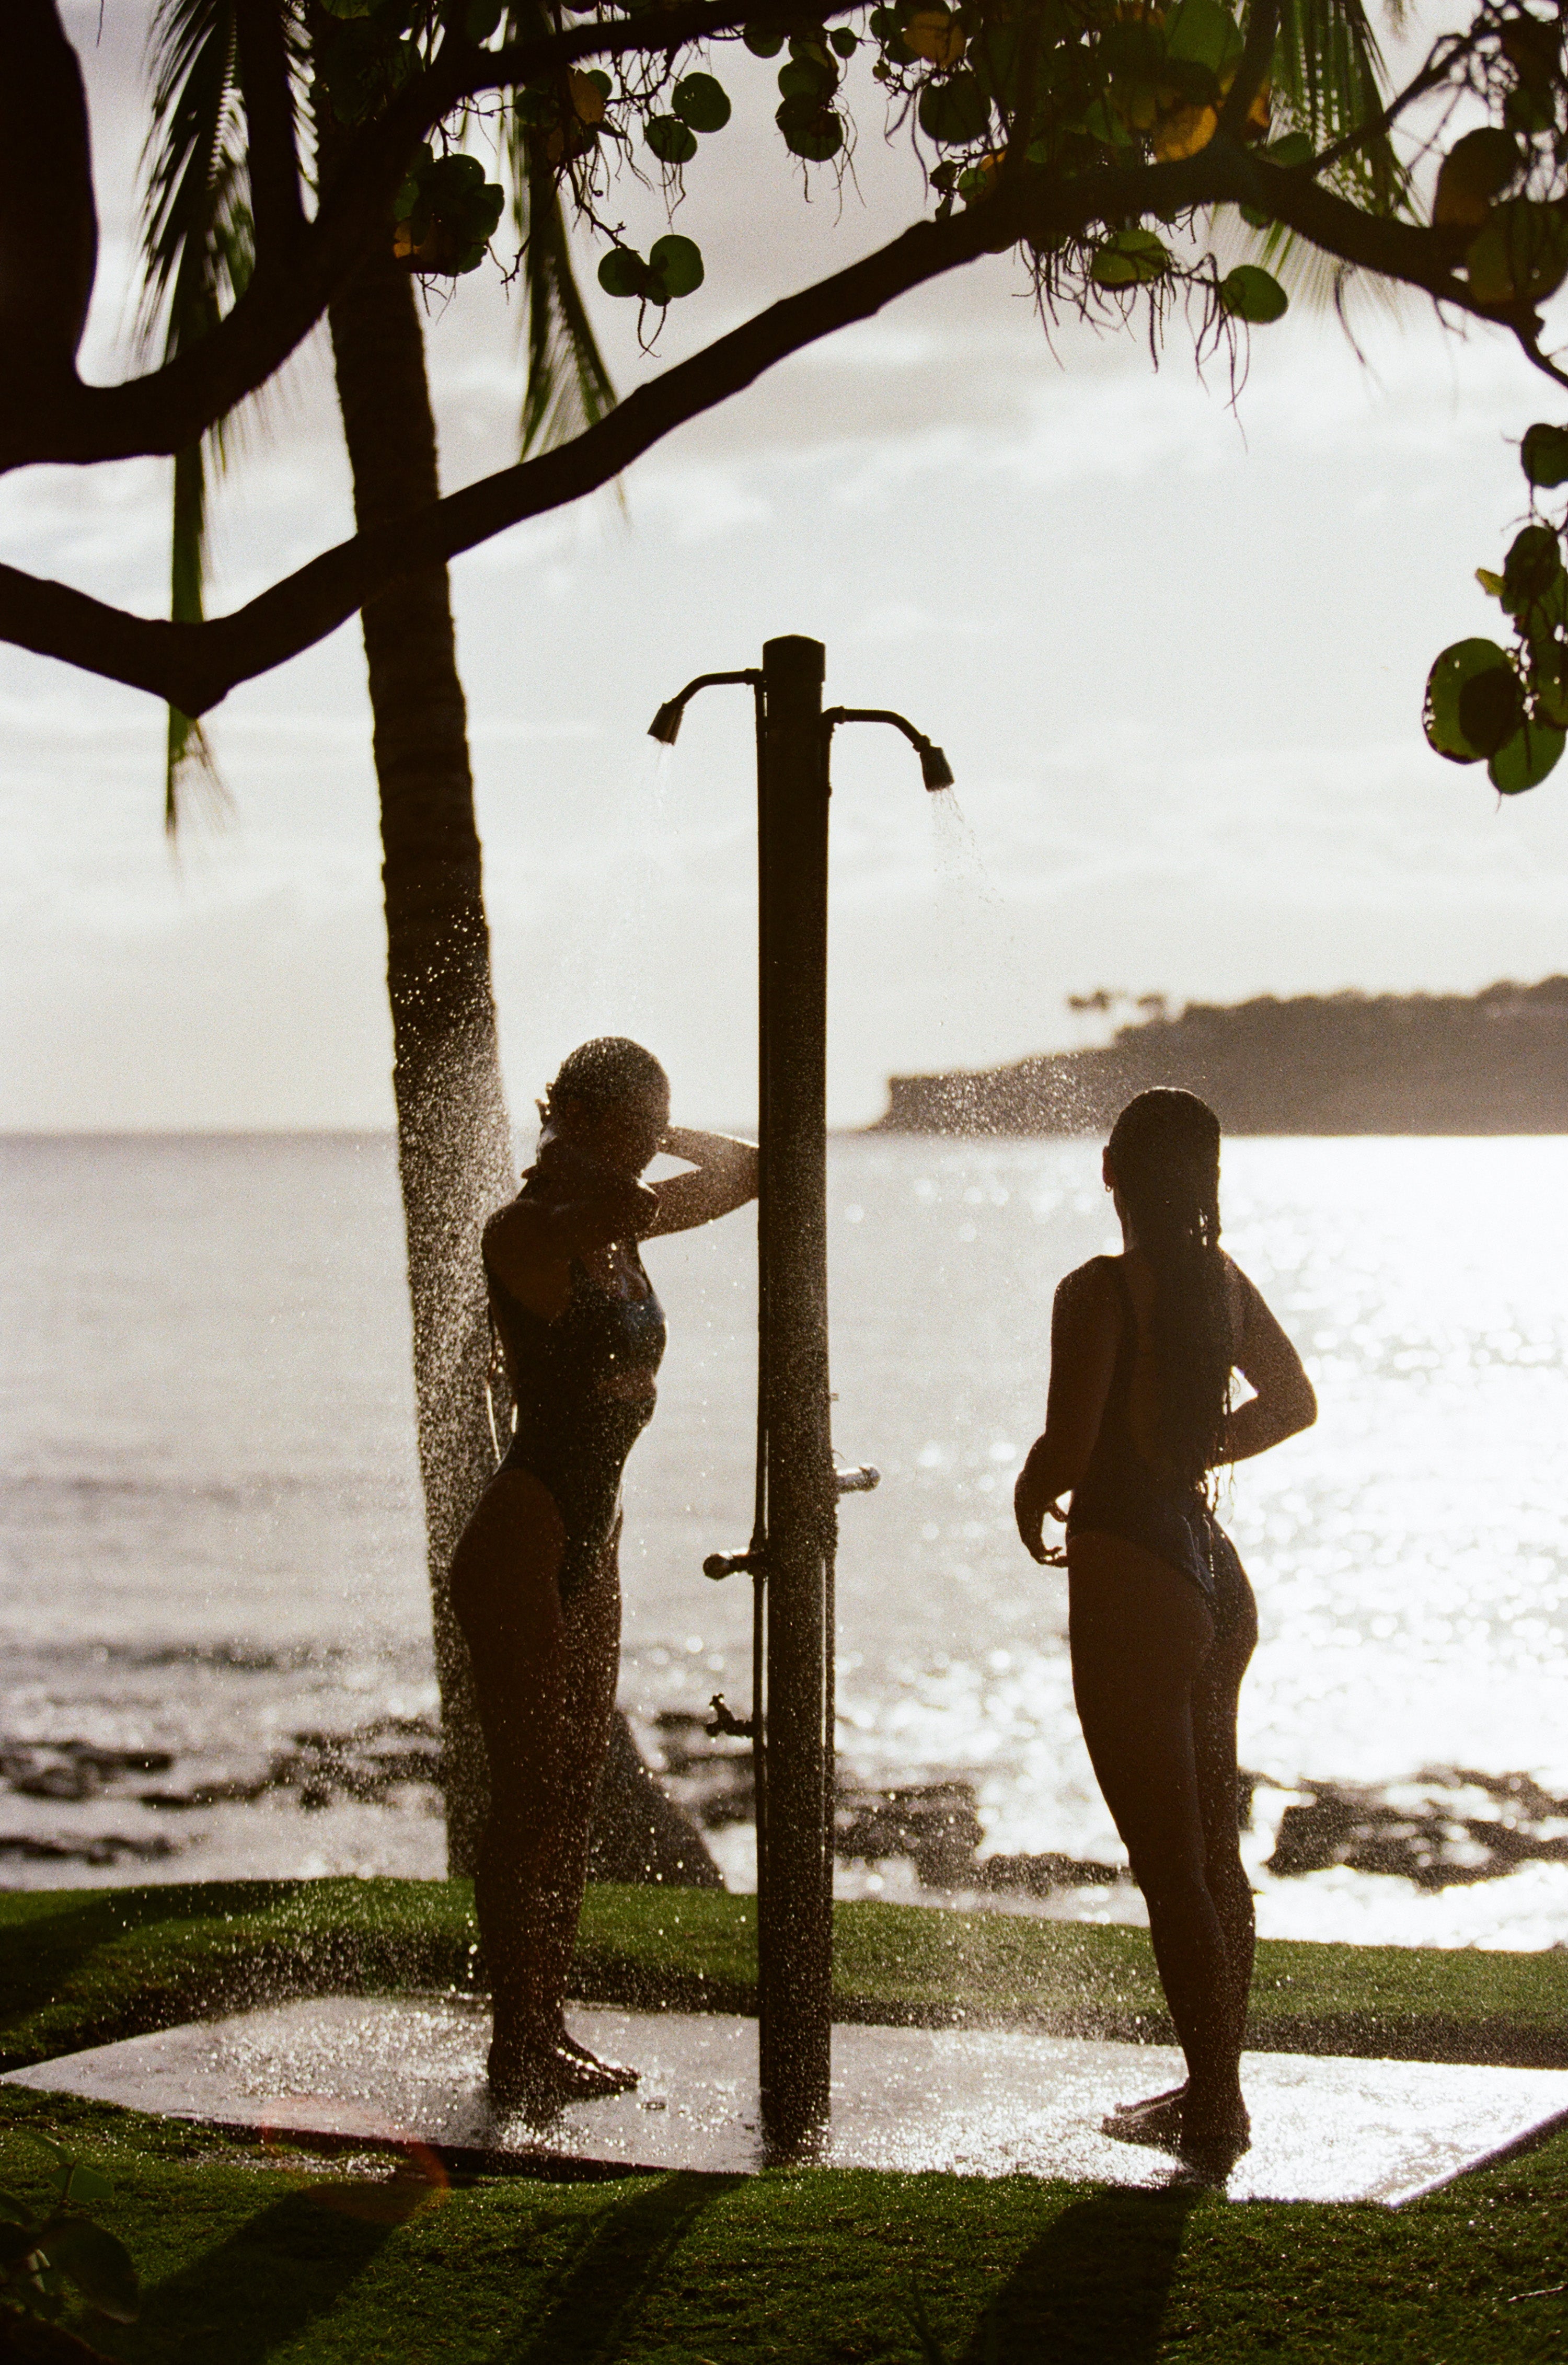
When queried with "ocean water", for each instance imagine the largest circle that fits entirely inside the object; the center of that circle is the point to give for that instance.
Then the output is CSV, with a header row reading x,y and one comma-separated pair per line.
x,y
211,1544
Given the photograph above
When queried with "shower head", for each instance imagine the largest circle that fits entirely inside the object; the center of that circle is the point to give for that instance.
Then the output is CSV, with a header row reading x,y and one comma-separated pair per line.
x,y
935,770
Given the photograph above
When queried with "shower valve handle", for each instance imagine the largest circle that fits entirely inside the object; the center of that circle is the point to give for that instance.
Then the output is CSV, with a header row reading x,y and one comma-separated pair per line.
x,y
859,1478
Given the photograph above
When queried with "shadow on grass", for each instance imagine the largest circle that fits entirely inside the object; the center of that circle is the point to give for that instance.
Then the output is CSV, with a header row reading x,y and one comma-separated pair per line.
x,y
625,2254
1093,2289
273,2278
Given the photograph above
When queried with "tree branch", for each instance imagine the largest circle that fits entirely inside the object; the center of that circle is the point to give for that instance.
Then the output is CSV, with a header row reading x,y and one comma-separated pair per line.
x,y
1254,67
174,405
193,666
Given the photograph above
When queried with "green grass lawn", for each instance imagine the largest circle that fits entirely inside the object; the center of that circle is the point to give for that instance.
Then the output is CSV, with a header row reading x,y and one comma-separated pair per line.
x,y
81,1967
246,2256
244,2259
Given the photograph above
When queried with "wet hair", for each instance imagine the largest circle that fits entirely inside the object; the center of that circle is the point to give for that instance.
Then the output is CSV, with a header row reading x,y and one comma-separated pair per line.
x,y
608,1070
1164,1156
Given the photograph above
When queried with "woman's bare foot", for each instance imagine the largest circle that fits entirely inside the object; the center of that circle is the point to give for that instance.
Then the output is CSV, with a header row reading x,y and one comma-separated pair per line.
x,y
1210,2136
625,2077
1149,2102
542,2079
1157,2123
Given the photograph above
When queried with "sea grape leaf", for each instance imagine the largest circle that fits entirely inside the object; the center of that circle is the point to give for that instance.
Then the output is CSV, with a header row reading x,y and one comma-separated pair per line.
x,y
701,101
1489,709
1523,761
670,141
1477,168
954,112
674,268
1130,258
1458,665
811,130
99,2265
622,272
1249,293
1205,32
1543,454
1522,252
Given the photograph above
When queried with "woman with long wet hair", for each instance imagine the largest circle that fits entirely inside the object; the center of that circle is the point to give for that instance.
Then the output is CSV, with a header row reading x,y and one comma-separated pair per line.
x,y
535,1581
1161,1618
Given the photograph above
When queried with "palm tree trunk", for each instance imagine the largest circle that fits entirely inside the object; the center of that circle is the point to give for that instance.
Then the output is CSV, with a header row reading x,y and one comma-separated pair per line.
x,y
454,1157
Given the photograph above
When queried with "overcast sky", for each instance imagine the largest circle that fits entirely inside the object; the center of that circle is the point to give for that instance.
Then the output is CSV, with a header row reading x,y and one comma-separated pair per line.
x,y
1173,648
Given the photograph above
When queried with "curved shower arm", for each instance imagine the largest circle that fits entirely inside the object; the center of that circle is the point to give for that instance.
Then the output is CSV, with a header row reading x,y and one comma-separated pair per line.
x,y
935,769
666,724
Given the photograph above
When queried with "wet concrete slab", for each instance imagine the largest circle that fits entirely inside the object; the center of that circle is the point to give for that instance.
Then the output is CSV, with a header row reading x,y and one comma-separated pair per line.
x,y
349,2070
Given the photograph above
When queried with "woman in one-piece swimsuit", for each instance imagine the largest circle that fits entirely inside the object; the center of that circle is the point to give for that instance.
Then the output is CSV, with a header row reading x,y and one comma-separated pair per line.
x,y
1161,1618
535,1581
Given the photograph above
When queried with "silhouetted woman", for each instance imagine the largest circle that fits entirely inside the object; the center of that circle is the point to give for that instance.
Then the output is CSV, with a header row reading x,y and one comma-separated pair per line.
x,y
535,1582
1161,1617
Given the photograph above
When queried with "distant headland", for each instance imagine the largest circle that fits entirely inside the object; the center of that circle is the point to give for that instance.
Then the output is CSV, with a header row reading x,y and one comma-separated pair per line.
x,y
1338,1063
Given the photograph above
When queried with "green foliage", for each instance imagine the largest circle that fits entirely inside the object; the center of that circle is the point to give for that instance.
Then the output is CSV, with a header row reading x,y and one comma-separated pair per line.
x,y
1543,455
1525,758
1456,673
1251,294
45,2253
674,268
1523,252
701,101
446,215
1470,688
671,140
1131,258
956,112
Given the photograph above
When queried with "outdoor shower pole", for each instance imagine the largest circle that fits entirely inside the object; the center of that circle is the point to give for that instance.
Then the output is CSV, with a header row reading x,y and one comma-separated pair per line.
x,y
795,1529
795,1867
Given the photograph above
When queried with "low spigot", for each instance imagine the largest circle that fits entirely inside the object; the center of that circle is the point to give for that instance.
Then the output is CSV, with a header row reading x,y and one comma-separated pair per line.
x,y
726,1724
719,1565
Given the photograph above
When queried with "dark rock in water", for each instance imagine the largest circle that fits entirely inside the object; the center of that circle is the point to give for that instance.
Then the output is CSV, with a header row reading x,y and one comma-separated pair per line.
x,y
639,1834
1426,1832
1041,1876
933,1822
104,1848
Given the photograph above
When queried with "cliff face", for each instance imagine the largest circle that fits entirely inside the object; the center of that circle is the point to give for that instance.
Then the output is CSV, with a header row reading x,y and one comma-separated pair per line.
x,y
1492,1062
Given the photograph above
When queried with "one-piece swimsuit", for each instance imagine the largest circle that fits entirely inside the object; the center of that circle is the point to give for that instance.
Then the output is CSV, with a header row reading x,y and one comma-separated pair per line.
x,y
1123,1494
574,1431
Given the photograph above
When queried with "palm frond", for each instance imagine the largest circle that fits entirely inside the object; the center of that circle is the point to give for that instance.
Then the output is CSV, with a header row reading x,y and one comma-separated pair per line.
x,y
568,386
199,251
1329,81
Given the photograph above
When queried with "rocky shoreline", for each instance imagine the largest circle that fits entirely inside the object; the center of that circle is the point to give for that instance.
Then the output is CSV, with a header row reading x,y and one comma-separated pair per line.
x,y
1445,1827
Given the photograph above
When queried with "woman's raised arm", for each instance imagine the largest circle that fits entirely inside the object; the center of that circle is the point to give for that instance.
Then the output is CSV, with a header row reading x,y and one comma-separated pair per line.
x,y
725,1177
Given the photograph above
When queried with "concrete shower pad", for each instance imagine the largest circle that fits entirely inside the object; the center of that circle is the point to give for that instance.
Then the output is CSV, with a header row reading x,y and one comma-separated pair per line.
x,y
990,2102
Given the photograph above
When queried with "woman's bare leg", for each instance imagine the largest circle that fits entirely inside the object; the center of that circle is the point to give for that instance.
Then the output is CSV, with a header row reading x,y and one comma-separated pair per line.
x,y
545,1680
1141,1635
1214,1697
